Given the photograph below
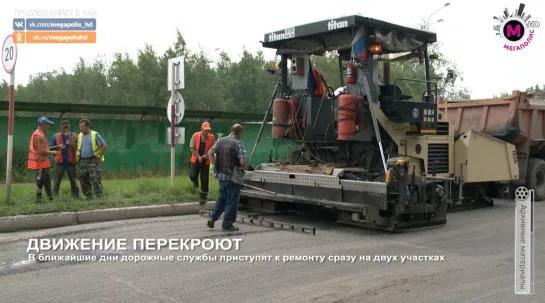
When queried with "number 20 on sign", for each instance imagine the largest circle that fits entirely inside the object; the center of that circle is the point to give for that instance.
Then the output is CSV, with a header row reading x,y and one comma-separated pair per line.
x,y
9,54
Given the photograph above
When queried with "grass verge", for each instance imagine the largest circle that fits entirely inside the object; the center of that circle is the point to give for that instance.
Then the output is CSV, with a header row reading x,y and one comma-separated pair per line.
x,y
117,193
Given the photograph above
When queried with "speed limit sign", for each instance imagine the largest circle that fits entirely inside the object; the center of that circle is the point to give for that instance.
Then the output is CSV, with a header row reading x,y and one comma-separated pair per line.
x,y
9,54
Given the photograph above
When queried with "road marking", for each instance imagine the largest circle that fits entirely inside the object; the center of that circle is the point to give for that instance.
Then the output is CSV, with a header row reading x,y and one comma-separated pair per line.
x,y
22,263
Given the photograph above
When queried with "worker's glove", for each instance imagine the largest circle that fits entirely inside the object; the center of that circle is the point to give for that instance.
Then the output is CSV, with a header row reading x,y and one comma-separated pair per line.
x,y
340,90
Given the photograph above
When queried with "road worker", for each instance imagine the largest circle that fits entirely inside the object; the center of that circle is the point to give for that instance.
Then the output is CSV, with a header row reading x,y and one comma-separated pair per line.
x,y
89,154
38,158
199,145
316,83
65,160
227,156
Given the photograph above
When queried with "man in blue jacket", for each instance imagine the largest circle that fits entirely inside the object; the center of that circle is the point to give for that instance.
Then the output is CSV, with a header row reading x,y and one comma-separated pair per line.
x,y
65,159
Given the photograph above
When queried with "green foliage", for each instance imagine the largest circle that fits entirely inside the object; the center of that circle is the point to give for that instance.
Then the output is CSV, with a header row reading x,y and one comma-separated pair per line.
x,y
244,85
21,174
535,88
19,165
117,193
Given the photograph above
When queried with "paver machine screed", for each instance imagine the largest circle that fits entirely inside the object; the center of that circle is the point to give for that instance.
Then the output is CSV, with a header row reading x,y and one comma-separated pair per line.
x,y
369,154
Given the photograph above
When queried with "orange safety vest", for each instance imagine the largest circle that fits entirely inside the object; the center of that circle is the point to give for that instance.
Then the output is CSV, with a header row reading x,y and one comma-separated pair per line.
x,y
71,154
197,144
319,88
36,160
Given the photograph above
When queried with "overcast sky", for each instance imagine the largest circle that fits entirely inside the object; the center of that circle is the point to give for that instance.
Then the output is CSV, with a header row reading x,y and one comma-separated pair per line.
x,y
466,33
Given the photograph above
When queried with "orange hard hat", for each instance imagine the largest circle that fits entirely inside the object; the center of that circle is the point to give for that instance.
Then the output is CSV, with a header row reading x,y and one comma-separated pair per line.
x,y
206,126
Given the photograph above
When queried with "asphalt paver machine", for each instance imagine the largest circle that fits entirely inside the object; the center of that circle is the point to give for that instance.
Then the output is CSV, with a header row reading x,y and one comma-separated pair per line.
x,y
369,154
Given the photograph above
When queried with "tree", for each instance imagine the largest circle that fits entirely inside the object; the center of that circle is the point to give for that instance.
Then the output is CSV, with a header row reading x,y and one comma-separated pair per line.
x,y
532,89
123,79
4,90
242,86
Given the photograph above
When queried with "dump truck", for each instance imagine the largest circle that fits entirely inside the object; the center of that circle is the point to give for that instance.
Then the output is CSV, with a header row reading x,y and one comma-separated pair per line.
x,y
519,120
370,154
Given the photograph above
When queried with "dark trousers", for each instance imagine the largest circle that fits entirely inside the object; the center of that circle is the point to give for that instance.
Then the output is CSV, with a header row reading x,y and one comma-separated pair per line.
x,y
43,180
58,175
202,171
227,202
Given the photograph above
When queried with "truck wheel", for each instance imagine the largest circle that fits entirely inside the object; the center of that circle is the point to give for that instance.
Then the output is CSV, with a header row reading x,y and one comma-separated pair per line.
x,y
536,178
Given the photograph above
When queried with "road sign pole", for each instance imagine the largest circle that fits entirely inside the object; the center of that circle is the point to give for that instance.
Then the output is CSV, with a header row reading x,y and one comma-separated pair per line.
x,y
175,111
173,125
9,60
11,118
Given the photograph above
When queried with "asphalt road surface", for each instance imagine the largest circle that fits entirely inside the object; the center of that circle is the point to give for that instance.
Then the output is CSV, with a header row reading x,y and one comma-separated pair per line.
x,y
478,247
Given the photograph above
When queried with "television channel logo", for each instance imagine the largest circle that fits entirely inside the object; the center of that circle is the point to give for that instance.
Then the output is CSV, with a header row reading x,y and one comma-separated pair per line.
x,y
515,29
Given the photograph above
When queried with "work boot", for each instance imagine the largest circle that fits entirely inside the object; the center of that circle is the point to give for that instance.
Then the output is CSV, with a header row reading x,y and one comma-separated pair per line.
x,y
203,199
40,200
231,228
210,223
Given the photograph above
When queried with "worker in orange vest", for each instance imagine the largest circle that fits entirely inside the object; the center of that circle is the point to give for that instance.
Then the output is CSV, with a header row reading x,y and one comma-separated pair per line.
x,y
38,158
318,89
65,159
200,144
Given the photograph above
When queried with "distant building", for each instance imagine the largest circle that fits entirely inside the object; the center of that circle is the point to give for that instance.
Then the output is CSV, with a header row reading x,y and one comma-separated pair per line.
x,y
46,75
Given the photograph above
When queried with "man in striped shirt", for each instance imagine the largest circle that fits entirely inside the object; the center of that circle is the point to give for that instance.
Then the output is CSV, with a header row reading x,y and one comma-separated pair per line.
x,y
229,163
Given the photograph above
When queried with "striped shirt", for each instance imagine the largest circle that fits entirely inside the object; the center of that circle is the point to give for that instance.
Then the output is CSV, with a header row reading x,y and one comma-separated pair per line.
x,y
240,155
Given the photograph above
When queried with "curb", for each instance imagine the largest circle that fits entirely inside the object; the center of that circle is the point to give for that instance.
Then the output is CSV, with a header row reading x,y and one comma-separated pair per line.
x,y
51,220
14,223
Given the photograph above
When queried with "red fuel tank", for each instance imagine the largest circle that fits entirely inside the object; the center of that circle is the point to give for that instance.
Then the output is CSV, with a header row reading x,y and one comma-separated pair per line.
x,y
292,121
346,127
280,113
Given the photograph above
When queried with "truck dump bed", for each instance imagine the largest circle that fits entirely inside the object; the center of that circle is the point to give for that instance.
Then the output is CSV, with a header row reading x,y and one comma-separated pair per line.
x,y
519,119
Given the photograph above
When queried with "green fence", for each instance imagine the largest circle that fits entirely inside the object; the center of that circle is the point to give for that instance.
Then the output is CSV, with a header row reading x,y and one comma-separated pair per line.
x,y
137,144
